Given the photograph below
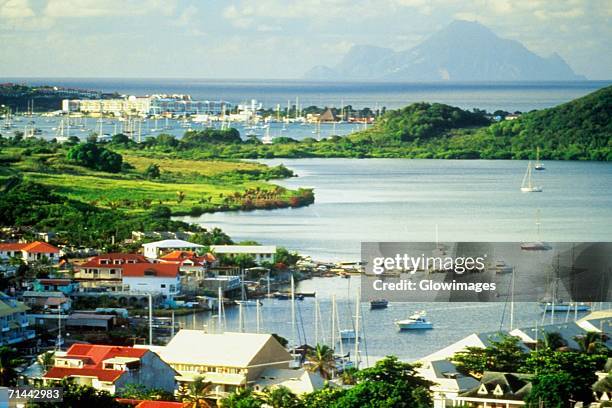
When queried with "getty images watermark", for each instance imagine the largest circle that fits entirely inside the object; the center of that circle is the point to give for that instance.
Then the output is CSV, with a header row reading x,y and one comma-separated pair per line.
x,y
487,272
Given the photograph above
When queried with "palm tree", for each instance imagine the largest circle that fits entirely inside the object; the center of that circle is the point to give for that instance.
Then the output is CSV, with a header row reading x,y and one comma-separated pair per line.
x,y
197,392
348,376
279,397
591,342
9,360
46,360
180,196
321,360
554,341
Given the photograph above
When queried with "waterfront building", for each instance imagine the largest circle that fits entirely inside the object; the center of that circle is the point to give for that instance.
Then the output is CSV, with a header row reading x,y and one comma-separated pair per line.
x,y
89,321
152,278
496,389
111,368
104,272
13,321
29,252
154,250
66,286
260,253
228,360
173,105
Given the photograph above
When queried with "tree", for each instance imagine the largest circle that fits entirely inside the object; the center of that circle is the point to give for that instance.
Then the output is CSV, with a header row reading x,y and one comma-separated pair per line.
x,y
141,392
198,391
505,355
242,398
152,171
349,376
46,360
321,360
9,360
92,156
280,397
550,390
82,396
180,196
592,343
554,341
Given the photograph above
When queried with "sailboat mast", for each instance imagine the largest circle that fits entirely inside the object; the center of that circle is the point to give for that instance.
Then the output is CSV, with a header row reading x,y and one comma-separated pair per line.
x,y
293,335
357,304
219,309
316,320
333,322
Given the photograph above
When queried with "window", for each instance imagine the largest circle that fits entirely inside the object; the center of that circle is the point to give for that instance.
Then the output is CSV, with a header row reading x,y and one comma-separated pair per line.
x,y
163,286
112,271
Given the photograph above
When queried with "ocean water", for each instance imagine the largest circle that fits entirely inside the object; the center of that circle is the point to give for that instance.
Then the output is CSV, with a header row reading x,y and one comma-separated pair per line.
x,y
404,200
510,96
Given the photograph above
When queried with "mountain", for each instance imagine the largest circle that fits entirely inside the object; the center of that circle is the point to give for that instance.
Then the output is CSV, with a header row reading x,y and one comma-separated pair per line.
x,y
463,51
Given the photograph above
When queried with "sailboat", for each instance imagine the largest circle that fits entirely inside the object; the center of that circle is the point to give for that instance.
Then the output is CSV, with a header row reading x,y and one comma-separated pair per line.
x,y
538,164
538,245
267,139
527,186
244,301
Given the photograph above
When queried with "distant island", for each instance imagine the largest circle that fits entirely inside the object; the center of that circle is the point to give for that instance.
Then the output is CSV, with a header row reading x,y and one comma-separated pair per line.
x,y
463,51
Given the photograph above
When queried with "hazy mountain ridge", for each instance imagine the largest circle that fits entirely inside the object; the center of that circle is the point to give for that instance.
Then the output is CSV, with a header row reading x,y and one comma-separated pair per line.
x,y
463,51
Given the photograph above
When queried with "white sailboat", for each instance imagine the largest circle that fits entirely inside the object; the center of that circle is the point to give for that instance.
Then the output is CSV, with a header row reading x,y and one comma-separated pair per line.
x,y
527,186
267,139
538,164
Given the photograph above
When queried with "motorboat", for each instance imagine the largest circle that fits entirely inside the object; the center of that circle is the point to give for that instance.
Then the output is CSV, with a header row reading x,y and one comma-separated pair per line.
x,y
379,304
415,322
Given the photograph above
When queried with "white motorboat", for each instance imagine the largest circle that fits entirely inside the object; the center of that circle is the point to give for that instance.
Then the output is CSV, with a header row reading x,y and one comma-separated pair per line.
x,y
415,322
347,334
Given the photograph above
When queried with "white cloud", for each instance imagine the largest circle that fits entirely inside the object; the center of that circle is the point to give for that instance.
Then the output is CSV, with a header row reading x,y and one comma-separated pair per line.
x,y
15,9
107,8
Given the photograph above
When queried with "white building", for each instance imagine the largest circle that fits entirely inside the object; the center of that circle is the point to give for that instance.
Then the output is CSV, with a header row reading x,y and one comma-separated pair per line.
x,y
161,279
448,383
228,360
154,250
261,253
29,252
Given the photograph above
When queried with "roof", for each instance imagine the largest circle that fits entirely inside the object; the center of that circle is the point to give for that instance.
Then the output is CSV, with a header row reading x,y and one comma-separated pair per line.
x,y
179,256
244,249
9,306
172,243
513,386
32,293
56,282
93,356
161,404
150,270
298,381
225,349
94,262
91,316
568,331
33,247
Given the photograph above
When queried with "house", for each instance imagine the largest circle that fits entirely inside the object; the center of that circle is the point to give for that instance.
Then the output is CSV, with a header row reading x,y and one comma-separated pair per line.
x,y
154,250
66,286
47,301
260,253
298,381
328,116
448,383
29,252
228,360
13,321
497,389
105,271
189,262
152,278
111,368
89,321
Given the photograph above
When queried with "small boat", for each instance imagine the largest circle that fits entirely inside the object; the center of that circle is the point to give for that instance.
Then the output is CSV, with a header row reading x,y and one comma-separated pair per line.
x,y
379,304
527,186
536,246
548,307
248,303
347,334
538,164
415,322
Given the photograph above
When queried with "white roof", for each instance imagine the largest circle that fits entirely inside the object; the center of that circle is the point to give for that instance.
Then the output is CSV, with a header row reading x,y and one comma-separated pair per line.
x,y
226,349
297,381
244,249
172,243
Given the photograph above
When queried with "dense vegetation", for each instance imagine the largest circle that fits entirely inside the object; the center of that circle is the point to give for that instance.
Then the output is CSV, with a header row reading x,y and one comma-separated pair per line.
x,y
95,157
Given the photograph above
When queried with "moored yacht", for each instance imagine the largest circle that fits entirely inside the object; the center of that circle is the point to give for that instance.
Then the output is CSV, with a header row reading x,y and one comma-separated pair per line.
x,y
379,304
415,322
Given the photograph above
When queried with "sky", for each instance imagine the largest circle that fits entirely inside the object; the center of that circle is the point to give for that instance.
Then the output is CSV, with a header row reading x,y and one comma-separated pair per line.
x,y
273,39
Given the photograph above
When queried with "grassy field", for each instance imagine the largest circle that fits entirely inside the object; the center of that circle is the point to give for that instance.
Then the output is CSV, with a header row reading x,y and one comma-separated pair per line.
x,y
186,186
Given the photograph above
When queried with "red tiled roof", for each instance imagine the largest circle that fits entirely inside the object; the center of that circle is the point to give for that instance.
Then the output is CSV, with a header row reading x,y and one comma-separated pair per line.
x,y
161,404
170,270
179,256
33,247
93,356
100,374
94,262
